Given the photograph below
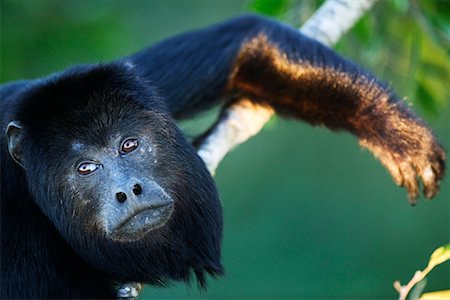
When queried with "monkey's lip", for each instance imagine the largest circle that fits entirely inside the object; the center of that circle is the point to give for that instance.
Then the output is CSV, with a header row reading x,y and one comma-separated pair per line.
x,y
143,220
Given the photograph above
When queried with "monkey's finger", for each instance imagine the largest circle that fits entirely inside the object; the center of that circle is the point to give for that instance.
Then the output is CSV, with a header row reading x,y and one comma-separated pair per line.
x,y
432,171
393,167
431,176
439,163
430,184
410,182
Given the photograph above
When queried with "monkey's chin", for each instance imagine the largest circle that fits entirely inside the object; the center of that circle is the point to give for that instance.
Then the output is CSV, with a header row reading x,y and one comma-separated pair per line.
x,y
141,222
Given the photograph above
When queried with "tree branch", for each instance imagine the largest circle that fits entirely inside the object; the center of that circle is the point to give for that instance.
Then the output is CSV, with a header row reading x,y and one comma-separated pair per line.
x,y
334,18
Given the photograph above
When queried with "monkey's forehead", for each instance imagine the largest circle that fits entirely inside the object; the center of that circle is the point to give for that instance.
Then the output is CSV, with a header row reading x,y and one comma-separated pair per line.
x,y
99,92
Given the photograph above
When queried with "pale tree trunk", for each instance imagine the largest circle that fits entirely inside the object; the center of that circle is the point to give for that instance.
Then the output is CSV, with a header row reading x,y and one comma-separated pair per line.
x,y
332,20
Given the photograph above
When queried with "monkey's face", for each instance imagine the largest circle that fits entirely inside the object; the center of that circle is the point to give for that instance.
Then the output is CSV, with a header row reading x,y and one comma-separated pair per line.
x,y
118,186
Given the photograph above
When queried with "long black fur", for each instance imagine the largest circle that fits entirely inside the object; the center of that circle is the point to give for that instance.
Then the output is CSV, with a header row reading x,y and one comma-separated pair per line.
x,y
46,248
48,251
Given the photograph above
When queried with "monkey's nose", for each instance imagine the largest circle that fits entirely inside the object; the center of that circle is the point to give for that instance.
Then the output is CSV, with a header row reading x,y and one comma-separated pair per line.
x,y
121,197
137,189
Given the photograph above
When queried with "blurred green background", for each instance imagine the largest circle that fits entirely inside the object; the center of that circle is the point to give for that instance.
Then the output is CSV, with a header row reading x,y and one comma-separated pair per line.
x,y
307,213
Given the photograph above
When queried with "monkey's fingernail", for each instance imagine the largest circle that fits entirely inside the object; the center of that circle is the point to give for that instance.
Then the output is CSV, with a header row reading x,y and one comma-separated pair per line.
x,y
429,192
412,198
398,181
428,175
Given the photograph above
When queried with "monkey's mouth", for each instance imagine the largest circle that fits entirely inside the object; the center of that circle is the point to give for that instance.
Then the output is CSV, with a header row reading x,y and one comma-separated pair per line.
x,y
143,220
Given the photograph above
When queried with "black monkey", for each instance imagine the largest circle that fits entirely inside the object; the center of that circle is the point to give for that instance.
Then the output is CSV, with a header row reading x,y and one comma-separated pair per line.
x,y
99,185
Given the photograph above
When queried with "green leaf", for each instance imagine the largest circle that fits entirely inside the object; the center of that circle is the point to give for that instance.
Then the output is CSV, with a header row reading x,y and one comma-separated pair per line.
x,y
424,96
436,70
272,8
439,256
363,29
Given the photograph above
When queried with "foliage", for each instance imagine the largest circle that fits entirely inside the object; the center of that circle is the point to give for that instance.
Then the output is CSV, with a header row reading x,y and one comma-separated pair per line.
x,y
418,282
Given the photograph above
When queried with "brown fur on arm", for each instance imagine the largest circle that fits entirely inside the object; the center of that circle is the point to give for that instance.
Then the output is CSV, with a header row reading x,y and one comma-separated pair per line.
x,y
340,98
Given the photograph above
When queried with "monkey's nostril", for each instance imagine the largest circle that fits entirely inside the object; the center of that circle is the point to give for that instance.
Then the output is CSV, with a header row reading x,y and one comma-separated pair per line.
x,y
137,189
121,197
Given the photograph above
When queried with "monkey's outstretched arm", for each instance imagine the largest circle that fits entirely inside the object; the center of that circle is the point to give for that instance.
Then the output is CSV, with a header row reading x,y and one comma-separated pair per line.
x,y
339,96
268,63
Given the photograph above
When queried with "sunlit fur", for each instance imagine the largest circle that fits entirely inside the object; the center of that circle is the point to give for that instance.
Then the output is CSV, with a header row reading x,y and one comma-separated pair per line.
x,y
324,89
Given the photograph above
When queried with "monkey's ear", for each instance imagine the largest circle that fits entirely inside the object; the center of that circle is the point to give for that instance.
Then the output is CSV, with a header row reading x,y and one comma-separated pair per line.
x,y
14,135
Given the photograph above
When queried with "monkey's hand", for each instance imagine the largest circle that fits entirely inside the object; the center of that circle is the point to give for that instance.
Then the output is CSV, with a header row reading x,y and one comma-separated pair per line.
x,y
404,145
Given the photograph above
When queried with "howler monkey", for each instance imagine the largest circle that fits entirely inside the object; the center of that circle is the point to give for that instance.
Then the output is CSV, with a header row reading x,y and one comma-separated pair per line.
x,y
99,185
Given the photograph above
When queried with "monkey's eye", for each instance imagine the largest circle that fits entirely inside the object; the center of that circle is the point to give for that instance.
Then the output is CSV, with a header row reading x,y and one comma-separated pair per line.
x,y
87,168
129,146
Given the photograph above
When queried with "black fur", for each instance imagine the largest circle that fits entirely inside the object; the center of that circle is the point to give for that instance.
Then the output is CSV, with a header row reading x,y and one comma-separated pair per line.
x,y
52,246
49,249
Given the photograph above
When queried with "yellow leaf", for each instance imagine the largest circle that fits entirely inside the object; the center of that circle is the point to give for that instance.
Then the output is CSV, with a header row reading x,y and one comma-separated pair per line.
x,y
438,295
439,255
